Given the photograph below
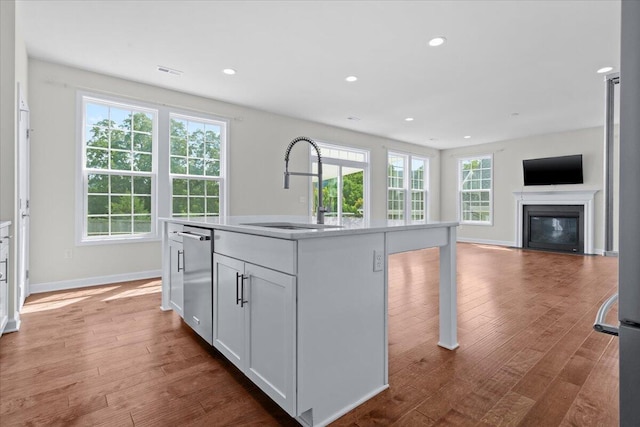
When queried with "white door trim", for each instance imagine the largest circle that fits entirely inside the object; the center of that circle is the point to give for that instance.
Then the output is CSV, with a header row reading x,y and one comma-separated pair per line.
x,y
23,209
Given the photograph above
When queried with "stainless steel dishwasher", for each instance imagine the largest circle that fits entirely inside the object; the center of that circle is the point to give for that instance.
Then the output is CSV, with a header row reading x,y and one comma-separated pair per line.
x,y
198,295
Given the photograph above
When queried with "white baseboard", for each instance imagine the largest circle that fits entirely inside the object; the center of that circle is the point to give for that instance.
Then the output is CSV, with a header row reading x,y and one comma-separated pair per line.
x,y
486,242
36,288
13,325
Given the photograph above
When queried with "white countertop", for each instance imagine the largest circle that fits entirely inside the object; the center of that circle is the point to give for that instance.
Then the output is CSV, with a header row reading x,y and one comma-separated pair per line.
x,y
240,224
4,223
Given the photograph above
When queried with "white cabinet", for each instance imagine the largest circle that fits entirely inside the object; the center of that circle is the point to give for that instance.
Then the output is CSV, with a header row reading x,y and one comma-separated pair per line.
x,y
4,276
228,313
304,316
176,268
270,351
255,324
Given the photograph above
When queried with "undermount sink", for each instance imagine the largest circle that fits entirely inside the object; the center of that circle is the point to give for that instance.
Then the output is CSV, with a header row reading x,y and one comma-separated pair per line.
x,y
291,225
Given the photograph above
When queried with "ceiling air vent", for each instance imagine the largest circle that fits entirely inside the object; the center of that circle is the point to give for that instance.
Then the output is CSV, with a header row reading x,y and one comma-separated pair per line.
x,y
168,70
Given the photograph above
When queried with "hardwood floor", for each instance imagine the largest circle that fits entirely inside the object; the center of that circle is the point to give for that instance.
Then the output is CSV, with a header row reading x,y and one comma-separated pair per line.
x,y
528,355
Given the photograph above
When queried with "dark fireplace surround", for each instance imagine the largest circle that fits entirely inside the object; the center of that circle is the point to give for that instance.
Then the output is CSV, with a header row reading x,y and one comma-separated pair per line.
x,y
557,228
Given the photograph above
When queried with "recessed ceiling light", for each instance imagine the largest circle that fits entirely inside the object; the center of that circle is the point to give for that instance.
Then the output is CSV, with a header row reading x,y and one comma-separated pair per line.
x,y
351,79
515,114
467,136
408,119
168,70
437,41
604,70
229,71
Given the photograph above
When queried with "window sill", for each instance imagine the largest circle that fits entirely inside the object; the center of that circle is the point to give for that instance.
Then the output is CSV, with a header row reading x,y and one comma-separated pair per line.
x,y
483,223
119,240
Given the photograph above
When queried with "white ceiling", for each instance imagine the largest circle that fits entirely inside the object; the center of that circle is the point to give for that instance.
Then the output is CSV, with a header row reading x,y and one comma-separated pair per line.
x,y
535,58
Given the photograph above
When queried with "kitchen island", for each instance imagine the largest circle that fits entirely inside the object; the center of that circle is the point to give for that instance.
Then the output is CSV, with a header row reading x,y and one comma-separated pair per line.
x,y
301,309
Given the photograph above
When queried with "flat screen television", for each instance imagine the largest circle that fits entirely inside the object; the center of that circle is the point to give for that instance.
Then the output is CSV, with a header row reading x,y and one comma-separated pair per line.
x,y
553,170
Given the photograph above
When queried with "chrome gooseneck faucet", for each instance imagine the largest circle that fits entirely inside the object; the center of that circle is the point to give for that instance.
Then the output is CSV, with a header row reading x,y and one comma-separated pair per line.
x,y
321,208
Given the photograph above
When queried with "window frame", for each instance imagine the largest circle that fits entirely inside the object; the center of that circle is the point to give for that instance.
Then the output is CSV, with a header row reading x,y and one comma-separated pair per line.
x,y
160,203
82,172
222,176
340,163
407,187
461,220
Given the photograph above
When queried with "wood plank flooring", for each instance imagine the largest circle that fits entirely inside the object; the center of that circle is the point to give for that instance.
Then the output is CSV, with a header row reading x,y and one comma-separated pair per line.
x,y
528,356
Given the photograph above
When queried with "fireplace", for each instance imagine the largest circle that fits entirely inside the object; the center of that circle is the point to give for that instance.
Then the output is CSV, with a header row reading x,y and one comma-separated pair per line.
x,y
553,227
542,200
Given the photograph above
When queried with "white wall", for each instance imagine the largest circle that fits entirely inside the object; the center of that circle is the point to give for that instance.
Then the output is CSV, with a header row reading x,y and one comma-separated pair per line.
x,y
507,168
256,152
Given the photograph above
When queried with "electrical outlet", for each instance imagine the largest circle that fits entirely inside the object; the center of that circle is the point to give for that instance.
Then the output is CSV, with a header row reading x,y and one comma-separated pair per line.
x,y
68,253
378,261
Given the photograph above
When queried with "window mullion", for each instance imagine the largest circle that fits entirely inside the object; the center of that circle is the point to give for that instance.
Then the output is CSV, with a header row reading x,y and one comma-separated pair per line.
x,y
407,189
339,195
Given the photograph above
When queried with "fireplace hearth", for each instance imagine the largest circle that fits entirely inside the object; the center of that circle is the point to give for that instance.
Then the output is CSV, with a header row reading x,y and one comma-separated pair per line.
x,y
554,228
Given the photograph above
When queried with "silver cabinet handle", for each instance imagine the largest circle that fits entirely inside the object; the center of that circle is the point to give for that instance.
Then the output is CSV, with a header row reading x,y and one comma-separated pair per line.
x,y
196,319
180,253
238,299
192,235
241,300
599,325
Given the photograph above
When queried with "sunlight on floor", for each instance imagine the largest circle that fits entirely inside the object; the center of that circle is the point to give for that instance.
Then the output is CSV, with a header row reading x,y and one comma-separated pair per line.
x,y
50,305
60,299
493,248
143,289
72,293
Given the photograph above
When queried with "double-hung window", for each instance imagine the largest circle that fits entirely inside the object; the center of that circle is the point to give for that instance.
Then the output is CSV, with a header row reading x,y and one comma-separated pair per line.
x,y
475,182
407,188
196,166
345,182
118,170
131,173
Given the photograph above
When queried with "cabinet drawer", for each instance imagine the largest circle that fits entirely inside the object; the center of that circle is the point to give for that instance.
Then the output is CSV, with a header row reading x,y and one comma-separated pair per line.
x,y
173,230
276,254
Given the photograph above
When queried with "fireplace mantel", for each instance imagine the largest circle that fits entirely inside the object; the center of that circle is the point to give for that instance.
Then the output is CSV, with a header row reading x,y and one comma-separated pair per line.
x,y
559,197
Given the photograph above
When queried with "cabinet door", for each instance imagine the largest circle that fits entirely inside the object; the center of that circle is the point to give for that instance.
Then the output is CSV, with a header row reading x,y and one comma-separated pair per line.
x,y
176,285
228,313
270,334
